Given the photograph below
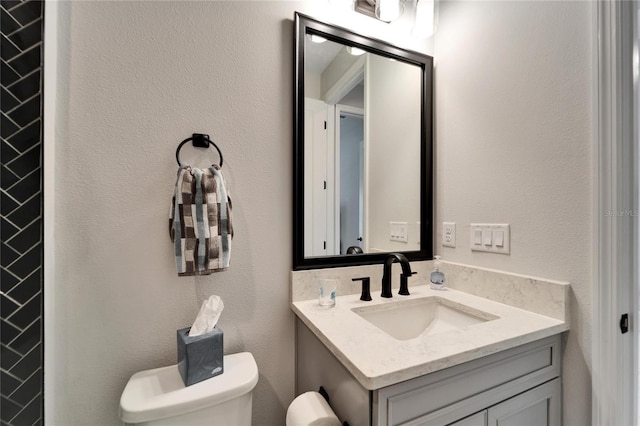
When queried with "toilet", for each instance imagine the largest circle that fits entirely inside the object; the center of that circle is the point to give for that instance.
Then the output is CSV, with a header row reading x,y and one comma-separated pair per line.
x,y
159,397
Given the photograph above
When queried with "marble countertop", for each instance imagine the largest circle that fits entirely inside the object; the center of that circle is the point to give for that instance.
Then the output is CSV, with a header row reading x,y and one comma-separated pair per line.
x,y
377,360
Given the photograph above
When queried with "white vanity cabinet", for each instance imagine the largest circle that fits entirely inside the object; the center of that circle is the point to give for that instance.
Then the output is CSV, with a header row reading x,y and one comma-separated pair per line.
x,y
520,386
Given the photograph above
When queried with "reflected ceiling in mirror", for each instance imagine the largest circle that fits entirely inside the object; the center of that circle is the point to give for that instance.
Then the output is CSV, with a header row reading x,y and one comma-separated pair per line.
x,y
362,166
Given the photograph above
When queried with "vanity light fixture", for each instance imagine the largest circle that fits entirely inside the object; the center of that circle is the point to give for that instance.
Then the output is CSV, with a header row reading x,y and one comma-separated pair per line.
x,y
425,13
388,10
425,19
382,10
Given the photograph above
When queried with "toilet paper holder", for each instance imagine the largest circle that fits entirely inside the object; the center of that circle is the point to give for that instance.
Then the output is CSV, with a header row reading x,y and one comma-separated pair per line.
x,y
322,391
324,394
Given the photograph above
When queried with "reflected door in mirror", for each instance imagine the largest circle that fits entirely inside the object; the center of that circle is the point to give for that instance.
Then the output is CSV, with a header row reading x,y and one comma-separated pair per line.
x,y
351,147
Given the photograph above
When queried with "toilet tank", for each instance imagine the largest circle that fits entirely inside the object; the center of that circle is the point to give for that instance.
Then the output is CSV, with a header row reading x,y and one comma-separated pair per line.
x,y
159,397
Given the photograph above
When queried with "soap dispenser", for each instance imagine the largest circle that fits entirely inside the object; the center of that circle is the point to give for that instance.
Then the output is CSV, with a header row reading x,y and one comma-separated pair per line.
x,y
437,277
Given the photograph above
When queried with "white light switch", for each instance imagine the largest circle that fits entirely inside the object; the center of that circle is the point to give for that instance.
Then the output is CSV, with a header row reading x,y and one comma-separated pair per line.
x,y
477,237
486,237
398,231
491,237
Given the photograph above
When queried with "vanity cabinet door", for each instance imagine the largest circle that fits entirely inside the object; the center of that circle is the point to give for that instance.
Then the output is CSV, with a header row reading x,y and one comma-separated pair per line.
x,y
540,407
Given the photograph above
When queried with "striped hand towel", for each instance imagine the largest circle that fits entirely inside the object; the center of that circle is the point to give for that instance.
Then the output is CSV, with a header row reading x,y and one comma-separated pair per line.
x,y
200,223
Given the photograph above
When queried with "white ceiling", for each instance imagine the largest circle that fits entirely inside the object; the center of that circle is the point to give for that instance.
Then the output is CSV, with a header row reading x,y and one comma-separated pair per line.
x,y
319,55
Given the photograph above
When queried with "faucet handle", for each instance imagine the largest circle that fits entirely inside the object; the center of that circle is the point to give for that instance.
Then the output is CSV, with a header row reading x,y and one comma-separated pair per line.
x,y
366,288
404,285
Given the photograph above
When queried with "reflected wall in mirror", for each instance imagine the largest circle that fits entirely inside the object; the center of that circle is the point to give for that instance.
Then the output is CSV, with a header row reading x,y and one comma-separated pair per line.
x,y
362,163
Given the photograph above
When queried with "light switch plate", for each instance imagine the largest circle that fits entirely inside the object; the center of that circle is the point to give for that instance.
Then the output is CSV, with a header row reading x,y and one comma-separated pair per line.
x,y
448,234
495,237
398,231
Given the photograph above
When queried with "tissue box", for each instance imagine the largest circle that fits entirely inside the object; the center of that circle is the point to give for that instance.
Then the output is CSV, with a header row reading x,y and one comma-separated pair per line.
x,y
199,357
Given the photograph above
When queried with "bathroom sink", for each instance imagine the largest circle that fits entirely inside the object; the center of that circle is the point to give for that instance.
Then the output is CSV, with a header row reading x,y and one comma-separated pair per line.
x,y
408,319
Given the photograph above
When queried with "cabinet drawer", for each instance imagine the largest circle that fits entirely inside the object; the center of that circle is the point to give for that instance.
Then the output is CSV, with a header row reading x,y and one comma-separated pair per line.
x,y
464,388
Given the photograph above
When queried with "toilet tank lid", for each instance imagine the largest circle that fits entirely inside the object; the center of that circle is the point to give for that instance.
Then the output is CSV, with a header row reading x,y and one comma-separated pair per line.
x,y
159,393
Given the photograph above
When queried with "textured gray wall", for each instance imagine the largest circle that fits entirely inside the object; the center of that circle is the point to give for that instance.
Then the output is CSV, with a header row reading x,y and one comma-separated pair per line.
x,y
513,122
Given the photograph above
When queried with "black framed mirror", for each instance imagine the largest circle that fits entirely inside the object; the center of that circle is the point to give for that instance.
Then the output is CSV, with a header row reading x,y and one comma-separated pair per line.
x,y
362,163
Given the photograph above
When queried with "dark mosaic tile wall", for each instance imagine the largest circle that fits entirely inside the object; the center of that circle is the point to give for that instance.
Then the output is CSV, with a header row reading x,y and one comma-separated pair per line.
x,y
21,213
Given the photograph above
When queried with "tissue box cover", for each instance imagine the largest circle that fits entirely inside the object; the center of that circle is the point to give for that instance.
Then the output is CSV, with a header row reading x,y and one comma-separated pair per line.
x,y
199,357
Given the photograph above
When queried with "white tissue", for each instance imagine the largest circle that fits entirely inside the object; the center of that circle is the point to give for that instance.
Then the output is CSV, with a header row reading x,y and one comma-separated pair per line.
x,y
208,316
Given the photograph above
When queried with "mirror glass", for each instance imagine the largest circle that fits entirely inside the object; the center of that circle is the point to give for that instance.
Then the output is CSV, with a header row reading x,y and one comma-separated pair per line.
x,y
362,167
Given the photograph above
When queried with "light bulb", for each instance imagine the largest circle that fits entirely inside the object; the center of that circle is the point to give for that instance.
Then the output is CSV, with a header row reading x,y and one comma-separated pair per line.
x,y
355,51
424,25
316,38
387,10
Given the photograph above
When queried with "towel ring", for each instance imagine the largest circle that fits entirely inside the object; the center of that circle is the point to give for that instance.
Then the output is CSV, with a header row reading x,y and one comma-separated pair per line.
x,y
199,141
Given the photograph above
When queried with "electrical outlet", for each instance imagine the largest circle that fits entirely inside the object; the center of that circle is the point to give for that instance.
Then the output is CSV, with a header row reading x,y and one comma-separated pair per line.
x,y
449,234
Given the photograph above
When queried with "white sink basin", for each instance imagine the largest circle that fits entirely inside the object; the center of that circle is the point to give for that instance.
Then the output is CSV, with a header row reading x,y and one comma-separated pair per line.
x,y
408,319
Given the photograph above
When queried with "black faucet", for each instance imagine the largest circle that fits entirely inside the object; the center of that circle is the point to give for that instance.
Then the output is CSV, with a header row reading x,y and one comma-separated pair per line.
x,y
386,274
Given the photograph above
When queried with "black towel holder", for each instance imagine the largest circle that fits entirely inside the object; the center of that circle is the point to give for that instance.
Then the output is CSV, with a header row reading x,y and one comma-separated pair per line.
x,y
199,141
